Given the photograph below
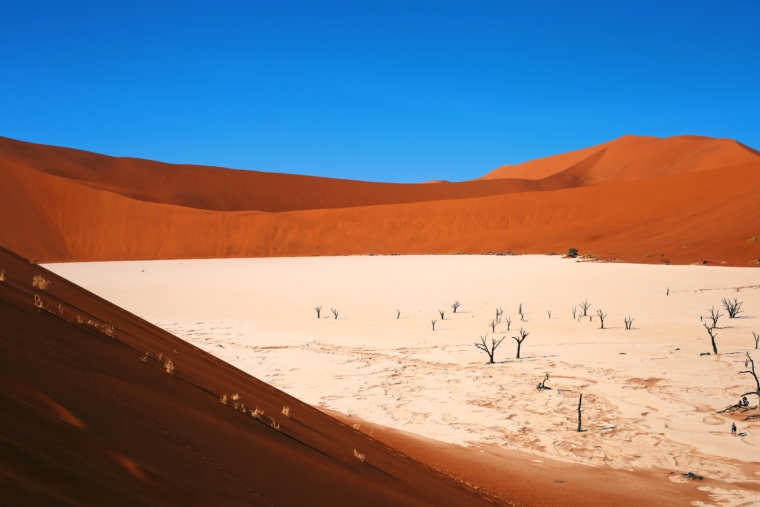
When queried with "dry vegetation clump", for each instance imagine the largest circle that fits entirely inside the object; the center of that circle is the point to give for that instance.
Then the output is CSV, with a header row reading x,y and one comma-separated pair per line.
x,y
286,411
223,399
169,366
361,457
80,320
275,425
38,301
107,330
41,283
356,426
2,275
257,413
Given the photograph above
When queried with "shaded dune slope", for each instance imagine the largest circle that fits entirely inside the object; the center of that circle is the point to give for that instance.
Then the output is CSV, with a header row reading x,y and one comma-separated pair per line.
x,y
690,199
85,421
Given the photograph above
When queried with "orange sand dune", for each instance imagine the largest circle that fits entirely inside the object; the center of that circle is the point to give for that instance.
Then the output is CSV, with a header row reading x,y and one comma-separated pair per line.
x,y
697,203
633,158
91,417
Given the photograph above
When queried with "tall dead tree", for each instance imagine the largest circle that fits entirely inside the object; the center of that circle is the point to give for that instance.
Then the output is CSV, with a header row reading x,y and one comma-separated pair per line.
x,y
523,334
455,305
550,314
585,305
519,309
580,402
713,335
334,312
398,314
441,312
489,349
628,322
732,307
318,309
499,313
508,320
433,322
493,325
751,371
602,315
575,309
756,337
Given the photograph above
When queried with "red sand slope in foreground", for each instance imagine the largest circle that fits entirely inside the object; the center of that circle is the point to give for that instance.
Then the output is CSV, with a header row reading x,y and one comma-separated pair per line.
x,y
690,199
85,421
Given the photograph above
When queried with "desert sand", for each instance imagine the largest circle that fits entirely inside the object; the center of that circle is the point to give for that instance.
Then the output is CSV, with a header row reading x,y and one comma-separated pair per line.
x,y
100,407
651,400
683,200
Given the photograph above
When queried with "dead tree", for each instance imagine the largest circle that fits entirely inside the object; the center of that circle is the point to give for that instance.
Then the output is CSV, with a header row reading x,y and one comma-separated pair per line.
x,y
433,322
628,322
572,252
542,385
714,316
757,382
519,339
334,312
732,307
441,312
489,349
756,337
580,402
398,314
493,325
456,305
713,335
508,320
667,292
550,314
602,315
574,311
585,305
519,309
318,309
499,313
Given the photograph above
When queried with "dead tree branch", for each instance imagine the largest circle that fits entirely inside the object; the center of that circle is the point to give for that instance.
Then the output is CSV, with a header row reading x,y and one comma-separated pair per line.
x,y
714,316
751,371
542,384
601,315
585,305
732,307
493,325
580,402
629,322
334,312
713,335
456,305
489,349
523,334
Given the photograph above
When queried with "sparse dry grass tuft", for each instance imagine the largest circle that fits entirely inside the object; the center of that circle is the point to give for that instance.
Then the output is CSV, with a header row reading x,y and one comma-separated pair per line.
x,y
41,283
286,411
80,320
356,426
275,425
361,457
38,301
223,399
107,330
256,414
235,397
169,366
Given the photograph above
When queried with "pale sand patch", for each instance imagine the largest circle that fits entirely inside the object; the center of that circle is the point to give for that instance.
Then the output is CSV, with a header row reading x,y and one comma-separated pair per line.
x,y
653,406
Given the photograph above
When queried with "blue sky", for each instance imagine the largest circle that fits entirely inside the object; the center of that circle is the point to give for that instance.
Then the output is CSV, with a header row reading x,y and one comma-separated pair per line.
x,y
385,91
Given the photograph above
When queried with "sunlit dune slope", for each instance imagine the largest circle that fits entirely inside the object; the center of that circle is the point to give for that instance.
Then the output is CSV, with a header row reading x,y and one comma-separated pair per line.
x,y
91,417
698,205
632,158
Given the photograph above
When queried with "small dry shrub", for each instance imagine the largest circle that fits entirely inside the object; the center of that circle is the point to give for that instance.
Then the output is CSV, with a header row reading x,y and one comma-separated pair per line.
x,y
361,457
107,330
80,319
235,397
223,399
275,425
38,301
2,275
356,426
256,414
286,411
41,283
169,366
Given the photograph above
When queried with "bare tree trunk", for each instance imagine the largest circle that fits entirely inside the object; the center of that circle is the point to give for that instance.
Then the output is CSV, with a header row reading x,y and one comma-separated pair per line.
x,y
433,322
398,314
580,402
318,309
